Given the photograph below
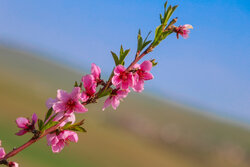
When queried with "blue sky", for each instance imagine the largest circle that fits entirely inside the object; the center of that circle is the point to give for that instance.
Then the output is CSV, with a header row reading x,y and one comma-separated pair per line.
x,y
210,70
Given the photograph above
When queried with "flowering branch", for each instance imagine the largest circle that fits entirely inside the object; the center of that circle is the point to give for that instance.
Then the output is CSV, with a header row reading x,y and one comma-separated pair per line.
x,y
59,125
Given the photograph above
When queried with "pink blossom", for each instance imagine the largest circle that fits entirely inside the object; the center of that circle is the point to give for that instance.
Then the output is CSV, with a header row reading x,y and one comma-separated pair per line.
x,y
115,98
69,102
121,78
96,72
25,124
142,74
183,30
50,102
2,152
89,84
57,142
13,164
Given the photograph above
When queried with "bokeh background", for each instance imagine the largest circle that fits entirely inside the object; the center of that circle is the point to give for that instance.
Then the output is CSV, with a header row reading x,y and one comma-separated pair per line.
x,y
195,112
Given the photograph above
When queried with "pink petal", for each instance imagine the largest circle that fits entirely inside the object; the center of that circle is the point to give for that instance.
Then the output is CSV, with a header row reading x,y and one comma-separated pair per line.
x,y
84,97
62,95
125,85
122,93
115,103
73,137
139,86
59,107
50,102
119,69
21,132
95,70
56,148
22,122
131,79
2,152
34,118
116,80
146,65
148,76
52,139
79,108
75,94
88,81
106,103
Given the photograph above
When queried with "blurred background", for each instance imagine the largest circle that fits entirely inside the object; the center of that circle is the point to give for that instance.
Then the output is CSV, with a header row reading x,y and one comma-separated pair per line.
x,y
195,112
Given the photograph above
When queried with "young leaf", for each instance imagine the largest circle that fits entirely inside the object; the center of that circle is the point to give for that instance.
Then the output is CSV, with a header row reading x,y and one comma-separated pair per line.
x,y
78,129
121,50
115,57
165,5
76,84
67,125
48,114
49,125
123,56
105,93
40,124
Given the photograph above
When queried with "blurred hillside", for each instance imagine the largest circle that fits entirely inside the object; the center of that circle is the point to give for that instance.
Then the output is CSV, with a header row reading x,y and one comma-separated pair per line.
x,y
144,131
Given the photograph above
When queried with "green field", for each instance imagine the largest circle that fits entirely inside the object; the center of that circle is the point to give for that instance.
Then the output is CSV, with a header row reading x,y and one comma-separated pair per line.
x,y
143,132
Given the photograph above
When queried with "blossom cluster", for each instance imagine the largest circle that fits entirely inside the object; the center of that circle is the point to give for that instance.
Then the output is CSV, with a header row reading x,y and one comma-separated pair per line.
x,y
60,126
67,104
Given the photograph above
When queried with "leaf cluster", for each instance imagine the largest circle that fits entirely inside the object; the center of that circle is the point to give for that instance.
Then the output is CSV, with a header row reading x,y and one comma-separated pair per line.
x,y
162,31
141,44
122,56
48,121
74,127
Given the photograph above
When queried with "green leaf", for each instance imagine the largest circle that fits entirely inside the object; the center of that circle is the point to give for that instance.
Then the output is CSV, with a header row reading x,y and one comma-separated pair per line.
x,y
121,50
76,84
105,93
123,56
48,114
161,18
49,125
78,129
115,57
158,32
153,62
145,44
165,5
67,125
40,124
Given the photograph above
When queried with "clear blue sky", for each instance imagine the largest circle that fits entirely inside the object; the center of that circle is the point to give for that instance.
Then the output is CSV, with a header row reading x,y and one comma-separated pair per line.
x,y
211,69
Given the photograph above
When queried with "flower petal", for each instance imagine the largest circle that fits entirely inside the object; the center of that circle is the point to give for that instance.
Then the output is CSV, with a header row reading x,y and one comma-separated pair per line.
x,y
148,76
22,122
146,65
2,152
139,86
79,108
119,69
116,80
59,107
50,102
34,118
106,103
62,95
115,102
21,132
95,71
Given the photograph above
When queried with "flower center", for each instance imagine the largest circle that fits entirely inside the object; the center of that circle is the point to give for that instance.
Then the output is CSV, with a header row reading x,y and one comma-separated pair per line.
x,y
71,104
124,76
